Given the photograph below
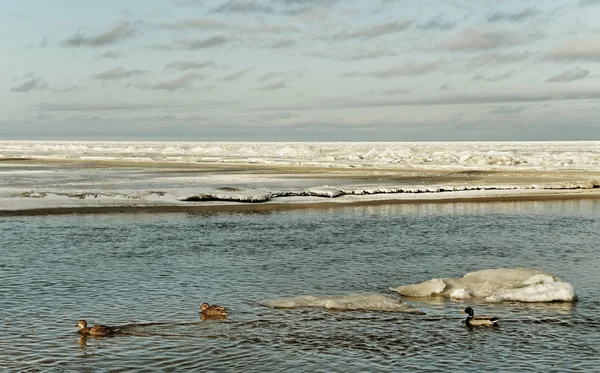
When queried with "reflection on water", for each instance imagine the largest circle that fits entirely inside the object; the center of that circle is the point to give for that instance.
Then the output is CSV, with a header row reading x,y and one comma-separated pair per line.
x,y
148,275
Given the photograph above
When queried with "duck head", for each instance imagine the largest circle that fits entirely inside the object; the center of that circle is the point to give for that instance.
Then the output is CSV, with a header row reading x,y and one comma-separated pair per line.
x,y
81,324
469,311
204,306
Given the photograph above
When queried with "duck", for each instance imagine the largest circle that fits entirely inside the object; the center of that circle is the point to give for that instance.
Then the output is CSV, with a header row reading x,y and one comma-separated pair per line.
x,y
479,320
98,330
213,311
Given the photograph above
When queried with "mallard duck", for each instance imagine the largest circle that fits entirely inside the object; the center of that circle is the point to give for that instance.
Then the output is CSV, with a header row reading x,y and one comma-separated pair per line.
x,y
94,330
479,320
214,311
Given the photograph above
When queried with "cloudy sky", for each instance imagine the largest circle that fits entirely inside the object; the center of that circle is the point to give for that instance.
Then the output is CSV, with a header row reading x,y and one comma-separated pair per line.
x,y
300,70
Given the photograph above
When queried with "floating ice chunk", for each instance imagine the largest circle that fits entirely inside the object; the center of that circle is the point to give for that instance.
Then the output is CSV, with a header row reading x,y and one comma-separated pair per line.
x,y
352,302
460,294
539,279
496,285
424,289
547,292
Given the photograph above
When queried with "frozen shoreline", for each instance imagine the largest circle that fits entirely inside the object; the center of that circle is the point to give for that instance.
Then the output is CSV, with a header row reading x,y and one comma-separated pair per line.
x,y
62,177
292,204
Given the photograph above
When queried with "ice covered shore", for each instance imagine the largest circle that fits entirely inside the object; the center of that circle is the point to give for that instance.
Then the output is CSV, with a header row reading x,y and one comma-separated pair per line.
x,y
495,285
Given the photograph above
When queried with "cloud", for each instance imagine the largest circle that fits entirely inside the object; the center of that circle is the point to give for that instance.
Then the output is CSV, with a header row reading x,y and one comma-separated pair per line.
x,y
182,65
362,54
29,82
588,2
523,15
493,78
588,50
236,75
198,24
272,29
162,46
69,88
406,69
115,33
276,74
480,38
355,54
44,42
436,23
187,2
274,86
118,73
185,81
210,42
243,7
94,106
291,3
308,9
499,58
397,91
32,82
113,55
374,31
270,75
127,106
445,87
507,110
282,44
456,99
575,73
515,97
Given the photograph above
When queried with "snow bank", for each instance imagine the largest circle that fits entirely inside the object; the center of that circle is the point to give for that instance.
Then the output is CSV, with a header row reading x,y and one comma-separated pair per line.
x,y
496,285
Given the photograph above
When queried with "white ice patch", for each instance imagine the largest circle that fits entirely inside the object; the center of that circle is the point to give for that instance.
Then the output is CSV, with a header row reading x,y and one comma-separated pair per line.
x,y
496,285
424,289
352,302
460,294
545,292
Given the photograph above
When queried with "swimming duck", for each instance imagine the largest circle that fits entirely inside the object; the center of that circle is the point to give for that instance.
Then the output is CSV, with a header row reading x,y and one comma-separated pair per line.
x,y
213,311
99,330
479,320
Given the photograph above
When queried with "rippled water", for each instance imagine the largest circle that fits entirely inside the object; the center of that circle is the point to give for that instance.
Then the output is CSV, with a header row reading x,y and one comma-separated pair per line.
x,y
150,273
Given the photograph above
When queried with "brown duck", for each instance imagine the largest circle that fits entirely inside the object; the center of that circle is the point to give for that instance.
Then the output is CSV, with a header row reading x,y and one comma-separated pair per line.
x,y
213,311
98,330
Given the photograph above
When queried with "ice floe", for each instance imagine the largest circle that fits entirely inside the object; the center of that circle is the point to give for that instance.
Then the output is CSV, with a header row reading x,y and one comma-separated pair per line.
x,y
495,285
352,302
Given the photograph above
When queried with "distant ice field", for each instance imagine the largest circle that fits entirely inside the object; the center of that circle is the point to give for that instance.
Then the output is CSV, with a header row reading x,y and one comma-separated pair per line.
x,y
55,174
542,155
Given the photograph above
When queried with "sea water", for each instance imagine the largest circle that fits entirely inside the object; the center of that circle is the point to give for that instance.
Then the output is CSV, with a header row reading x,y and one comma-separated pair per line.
x,y
149,273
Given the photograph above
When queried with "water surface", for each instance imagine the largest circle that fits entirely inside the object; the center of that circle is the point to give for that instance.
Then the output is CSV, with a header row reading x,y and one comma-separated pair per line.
x,y
150,273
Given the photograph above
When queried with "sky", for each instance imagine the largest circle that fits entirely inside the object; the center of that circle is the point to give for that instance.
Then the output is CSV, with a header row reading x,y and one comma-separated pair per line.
x,y
300,70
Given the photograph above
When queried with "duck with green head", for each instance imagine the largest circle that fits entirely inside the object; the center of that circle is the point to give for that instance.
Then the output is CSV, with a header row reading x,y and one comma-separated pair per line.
x,y
479,320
